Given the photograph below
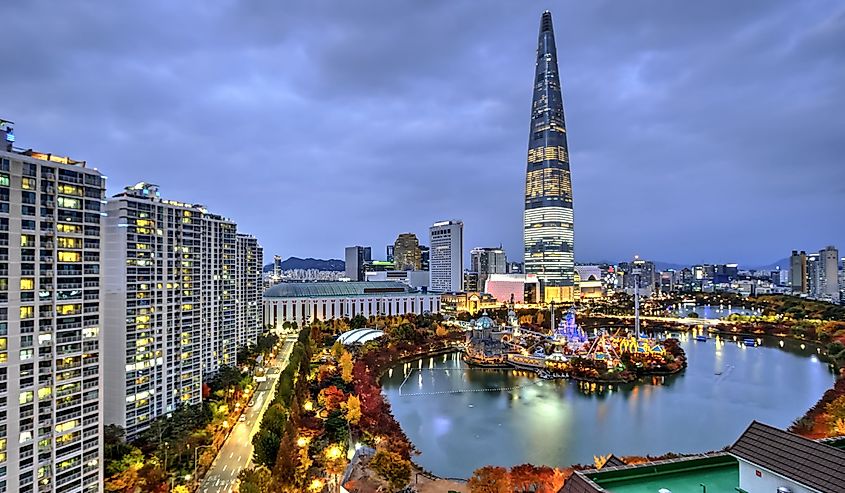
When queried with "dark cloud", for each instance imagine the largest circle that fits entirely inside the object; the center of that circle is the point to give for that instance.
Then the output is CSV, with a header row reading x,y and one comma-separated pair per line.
x,y
708,131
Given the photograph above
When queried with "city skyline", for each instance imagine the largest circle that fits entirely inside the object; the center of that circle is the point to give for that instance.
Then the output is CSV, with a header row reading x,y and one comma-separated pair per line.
x,y
657,98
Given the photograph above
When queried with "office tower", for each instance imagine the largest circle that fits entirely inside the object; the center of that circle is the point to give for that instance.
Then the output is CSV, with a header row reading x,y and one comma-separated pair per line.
x,y
486,261
446,263
389,253
516,268
647,276
356,259
798,271
813,277
425,254
249,263
406,252
50,327
548,220
277,266
471,283
171,303
828,273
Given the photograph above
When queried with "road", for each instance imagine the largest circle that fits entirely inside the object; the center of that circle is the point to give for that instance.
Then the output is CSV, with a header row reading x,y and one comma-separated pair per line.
x,y
236,452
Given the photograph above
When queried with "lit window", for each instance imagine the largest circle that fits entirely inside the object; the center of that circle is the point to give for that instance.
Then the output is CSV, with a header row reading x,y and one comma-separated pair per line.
x,y
27,283
27,312
25,397
69,203
28,183
65,256
67,309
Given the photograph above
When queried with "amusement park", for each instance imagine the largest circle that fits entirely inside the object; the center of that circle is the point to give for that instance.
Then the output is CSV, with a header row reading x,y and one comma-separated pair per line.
x,y
602,355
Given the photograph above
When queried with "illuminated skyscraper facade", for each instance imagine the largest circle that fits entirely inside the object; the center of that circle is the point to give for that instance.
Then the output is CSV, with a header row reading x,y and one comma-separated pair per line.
x,y
548,220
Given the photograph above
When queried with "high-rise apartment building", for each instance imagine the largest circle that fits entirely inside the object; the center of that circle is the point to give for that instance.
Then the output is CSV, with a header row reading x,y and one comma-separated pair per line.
x,y
548,220
485,261
446,262
798,271
406,252
182,293
249,264
217,292
50,326
813,278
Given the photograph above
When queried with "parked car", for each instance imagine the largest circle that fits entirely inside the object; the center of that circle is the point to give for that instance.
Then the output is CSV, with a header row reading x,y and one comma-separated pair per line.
x,y
242,417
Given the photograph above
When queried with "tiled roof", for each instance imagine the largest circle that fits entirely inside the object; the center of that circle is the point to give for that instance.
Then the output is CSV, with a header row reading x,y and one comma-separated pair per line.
x,y
807,462
614,461
578,483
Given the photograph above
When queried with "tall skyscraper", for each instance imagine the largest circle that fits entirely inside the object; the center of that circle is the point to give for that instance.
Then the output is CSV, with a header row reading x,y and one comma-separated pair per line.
x,y
446,262
548,221
406,252
798,271
50,327
485,261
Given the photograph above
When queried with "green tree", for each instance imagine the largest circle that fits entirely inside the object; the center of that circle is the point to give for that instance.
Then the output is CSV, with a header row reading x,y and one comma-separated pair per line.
x,y
255,480
265,447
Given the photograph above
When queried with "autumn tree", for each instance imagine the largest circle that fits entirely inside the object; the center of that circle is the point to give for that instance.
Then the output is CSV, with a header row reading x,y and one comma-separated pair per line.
x,y
353,409
331,397
337,350
392,467
490,479
440,331
345,364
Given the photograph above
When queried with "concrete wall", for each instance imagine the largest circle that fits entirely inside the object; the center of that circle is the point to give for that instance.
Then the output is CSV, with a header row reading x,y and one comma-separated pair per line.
x,y
755,479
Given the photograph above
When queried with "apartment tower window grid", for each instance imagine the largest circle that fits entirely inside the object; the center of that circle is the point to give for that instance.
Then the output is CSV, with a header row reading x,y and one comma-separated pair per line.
x,y
50,327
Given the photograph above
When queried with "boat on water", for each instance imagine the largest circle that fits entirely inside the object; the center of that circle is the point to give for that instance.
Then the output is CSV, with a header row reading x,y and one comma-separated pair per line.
x,y
749,342
701,338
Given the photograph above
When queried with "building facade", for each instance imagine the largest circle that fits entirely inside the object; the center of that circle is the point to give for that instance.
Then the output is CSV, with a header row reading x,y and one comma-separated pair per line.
x,y
446,262
217,293
356,260
798,272
828,274
485,261
406,252
548,221
50,324
249,263
182,293
305,302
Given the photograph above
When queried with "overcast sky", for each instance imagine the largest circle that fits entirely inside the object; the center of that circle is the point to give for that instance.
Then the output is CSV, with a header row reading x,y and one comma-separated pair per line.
x,y
698,131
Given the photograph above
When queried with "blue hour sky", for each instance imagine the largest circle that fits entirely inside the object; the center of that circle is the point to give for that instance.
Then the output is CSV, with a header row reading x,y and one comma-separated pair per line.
x,y
698,131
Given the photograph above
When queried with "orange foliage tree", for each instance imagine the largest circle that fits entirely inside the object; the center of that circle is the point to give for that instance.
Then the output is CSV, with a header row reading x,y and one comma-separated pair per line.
x,y
490,479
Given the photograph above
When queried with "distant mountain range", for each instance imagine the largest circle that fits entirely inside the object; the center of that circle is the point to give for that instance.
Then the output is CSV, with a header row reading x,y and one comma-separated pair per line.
x,y
662,266
309,263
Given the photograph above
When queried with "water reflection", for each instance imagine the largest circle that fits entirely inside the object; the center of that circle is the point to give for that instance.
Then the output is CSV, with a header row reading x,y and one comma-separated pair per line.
x,y
461,419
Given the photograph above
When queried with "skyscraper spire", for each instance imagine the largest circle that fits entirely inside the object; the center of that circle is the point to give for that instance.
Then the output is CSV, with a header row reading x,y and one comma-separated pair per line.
x,y
548,219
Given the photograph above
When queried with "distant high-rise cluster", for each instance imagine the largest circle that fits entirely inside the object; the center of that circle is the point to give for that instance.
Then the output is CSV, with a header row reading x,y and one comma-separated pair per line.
x,y
816,275
549,236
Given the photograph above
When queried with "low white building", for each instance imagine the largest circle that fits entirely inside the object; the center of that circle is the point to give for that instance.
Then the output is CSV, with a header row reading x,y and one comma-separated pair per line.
x,y
307,301
417,279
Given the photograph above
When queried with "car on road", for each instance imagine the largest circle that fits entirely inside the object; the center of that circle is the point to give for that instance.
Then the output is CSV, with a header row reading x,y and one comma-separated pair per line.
x,y
242,417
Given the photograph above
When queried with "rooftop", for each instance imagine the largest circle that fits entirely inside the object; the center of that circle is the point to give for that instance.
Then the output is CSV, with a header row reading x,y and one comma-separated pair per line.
x,y
807,462
718,472
335,289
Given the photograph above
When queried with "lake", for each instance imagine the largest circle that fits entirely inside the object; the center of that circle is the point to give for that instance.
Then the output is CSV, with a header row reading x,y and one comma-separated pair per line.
x,y
463,418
